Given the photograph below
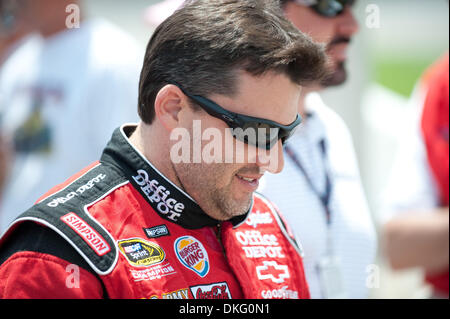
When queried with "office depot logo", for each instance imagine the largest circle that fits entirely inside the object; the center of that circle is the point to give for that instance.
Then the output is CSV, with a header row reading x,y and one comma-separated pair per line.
x,y
192,255
159,196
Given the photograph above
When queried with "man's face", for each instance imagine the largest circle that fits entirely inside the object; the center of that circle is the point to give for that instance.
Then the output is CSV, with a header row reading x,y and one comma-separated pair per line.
x,y
335,33
224,187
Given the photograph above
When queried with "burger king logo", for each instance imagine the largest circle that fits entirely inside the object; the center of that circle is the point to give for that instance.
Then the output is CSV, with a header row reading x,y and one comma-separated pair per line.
x,y
192,255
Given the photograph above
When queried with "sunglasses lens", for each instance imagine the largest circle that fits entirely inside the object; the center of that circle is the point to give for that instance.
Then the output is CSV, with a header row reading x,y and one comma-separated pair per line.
x,y
258,134
262,135
331,8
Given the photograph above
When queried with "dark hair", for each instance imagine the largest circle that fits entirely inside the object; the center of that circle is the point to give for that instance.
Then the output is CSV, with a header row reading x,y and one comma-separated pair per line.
x,y
204,44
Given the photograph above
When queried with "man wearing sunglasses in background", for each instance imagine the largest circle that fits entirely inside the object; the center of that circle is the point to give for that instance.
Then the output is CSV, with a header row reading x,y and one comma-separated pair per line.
x,y
139,224
319,191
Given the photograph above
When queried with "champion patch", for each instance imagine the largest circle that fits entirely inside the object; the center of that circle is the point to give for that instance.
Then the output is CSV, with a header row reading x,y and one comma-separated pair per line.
x,y
141,253
89,235
192,255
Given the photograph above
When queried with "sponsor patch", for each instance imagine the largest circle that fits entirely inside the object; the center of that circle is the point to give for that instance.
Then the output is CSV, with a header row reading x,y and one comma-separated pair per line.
x,y
282,293
218,290
254,219
89,235
258,245
152,273
271,270
179,294
159,196
157,231
192,255
80,190
141,253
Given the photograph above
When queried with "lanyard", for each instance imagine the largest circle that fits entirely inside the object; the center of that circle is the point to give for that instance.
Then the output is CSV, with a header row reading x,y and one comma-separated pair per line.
x,y
325,197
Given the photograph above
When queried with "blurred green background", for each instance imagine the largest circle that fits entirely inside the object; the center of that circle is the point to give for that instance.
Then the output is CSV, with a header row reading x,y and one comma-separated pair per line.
x,y
400,75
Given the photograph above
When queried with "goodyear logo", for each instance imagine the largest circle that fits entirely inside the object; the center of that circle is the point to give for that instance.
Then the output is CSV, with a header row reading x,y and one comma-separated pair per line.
x,y
192,255
141,253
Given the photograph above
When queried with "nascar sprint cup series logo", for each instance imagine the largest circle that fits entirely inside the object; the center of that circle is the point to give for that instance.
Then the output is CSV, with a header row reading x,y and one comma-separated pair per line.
x,y
192,255
141,253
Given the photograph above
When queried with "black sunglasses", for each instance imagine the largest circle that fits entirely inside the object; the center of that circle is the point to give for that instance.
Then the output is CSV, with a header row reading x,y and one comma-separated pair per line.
x,y
256,131
327,8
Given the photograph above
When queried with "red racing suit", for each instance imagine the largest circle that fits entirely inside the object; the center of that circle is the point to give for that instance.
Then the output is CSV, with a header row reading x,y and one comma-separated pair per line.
x,y
130,233
435,132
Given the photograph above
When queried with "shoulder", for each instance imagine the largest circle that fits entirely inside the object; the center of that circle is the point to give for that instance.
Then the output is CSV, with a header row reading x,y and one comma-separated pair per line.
x,y
32,237
65,212
265,211
36,263
262,204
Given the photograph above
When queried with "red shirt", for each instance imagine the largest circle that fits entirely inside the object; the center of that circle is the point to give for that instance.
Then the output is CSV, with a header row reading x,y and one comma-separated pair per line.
x,y
435,130
142,237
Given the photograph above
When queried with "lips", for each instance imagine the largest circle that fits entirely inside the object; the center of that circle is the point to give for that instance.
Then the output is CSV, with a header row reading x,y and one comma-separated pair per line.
x,y
250,183
251,180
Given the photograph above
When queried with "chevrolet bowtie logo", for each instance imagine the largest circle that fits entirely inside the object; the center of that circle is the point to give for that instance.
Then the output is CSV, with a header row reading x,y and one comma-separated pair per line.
x,y
271,270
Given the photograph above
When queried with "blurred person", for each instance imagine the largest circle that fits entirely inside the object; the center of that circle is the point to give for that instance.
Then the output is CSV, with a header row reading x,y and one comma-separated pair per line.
x,y
12,27
16,37
140,224
320,191
416,220
61,97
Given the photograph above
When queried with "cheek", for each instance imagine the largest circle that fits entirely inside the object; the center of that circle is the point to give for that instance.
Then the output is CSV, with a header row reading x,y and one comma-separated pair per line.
x,y
323,33
318,28
215,178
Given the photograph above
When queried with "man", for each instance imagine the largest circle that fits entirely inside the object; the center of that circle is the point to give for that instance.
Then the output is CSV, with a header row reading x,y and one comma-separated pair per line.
x,y
16,38
416,217
53,93
319,190
140,223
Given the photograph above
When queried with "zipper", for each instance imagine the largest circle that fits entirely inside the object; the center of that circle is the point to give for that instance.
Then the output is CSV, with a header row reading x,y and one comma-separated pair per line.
x,y
218,232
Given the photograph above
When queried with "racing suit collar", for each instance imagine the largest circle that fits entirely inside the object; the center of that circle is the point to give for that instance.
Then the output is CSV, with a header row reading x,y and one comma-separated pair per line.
x,y
166,199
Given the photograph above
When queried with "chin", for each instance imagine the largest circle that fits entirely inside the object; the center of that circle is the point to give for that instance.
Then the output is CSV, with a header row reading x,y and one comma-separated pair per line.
x,y
239,207
338,77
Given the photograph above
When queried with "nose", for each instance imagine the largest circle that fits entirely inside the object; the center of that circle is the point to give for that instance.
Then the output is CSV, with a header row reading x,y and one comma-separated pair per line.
x,y
271,160
348,25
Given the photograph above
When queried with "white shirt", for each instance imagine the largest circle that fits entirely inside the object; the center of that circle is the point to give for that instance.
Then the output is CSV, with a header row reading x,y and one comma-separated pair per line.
x,y
352,230
61,99
411,186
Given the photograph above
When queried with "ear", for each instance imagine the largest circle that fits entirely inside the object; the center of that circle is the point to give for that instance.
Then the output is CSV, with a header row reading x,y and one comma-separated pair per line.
x,y
169,102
